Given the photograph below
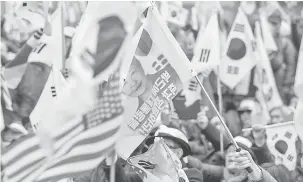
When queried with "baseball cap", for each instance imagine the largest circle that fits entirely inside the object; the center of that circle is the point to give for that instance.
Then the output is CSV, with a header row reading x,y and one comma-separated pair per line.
x,y
175,135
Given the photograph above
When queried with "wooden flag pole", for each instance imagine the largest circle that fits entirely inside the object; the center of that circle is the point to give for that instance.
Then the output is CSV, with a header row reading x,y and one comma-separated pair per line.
x,y
238,149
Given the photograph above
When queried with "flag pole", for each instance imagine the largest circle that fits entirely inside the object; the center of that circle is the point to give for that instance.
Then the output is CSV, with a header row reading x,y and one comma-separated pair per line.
x,y
112,172
238,149
216,110
219,92
62,33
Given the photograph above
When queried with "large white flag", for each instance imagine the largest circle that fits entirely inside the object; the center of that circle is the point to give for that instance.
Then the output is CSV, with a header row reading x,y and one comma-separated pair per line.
x,y
268,39
50,50
299,91
298,79
53,87
264,75
207,49
281,140
239,57
156,74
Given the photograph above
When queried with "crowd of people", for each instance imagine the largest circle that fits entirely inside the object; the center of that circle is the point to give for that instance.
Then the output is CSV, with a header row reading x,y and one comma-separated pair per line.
x,y
195,134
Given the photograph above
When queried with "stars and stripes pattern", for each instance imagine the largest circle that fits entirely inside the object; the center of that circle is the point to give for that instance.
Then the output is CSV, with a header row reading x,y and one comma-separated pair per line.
x,y
5,95
79,146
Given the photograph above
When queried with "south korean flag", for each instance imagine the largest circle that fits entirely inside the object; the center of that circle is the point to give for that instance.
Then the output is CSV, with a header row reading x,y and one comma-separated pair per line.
x,y
174,13
281,140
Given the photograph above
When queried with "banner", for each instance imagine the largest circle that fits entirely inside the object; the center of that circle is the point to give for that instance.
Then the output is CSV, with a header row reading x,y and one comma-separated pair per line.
x,y
207,49
158,164
239,57
281,140
264,75
156,74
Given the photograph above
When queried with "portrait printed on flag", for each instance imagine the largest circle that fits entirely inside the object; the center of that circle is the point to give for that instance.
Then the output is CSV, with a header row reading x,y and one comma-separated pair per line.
x,y
156,74
150,82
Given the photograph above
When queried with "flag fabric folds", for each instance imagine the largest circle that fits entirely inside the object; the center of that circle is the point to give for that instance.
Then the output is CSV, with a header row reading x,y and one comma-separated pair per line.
x,y
53,87
159,164
299,91
66,148
268,39
239,57
156,74
74,143
299,72
264,75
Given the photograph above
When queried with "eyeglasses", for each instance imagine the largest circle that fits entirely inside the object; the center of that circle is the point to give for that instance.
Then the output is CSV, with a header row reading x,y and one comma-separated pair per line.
x,y
244,111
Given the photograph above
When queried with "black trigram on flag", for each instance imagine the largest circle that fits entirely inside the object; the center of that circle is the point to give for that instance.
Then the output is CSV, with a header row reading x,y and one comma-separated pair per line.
x,y
239,28
290,157
193,85
234,70
275,136
288,135
160,63
53,90
39,48
65,72
204,55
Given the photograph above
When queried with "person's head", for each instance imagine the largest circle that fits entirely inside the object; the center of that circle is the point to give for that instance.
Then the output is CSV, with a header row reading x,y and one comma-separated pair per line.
x,y
175,140
275,20
135,83
279,172
248,108
293,102
280,114
276,115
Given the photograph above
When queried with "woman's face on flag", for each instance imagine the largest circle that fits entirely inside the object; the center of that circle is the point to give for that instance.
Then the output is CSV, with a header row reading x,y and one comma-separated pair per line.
x,y
135,83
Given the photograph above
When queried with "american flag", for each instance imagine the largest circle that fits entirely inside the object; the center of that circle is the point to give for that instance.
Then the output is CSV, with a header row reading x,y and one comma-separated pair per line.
x,y
79,146
5,92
